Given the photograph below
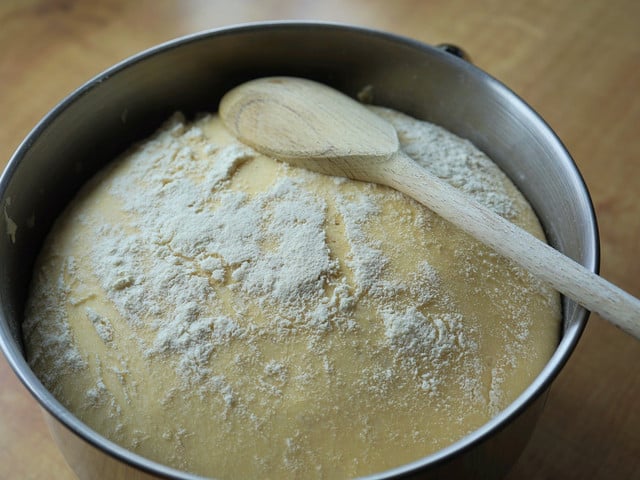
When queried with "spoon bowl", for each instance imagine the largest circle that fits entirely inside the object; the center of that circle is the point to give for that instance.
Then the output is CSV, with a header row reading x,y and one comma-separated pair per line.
x,y
301,121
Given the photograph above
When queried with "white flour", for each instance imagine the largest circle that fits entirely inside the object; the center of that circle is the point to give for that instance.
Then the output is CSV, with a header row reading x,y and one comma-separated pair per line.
x,y
198,257
194,247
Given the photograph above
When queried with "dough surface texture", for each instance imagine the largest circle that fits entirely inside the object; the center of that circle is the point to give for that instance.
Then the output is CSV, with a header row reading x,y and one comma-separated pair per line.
x,y
229,315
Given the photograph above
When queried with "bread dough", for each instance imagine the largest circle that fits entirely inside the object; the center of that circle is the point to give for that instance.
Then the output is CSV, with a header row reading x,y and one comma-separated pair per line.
x,y
232,316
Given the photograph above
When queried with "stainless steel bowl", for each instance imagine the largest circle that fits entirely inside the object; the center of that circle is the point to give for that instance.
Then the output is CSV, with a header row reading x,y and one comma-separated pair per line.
x,y
131,99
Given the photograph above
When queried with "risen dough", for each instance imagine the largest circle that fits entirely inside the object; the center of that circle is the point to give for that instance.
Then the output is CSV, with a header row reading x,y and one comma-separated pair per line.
x,y
223,313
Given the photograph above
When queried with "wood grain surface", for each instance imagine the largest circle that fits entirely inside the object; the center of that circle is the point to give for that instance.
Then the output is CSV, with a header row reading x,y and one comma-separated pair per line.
x,y
577,62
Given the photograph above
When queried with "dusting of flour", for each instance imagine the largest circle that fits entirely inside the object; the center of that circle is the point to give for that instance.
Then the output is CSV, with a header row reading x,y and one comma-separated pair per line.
x,y
206,272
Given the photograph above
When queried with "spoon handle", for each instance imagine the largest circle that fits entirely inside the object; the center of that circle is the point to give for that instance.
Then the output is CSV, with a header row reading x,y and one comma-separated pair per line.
x,y
564,274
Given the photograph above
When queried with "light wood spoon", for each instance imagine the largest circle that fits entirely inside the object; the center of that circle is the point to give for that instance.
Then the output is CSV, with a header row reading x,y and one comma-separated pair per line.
x,y
311,125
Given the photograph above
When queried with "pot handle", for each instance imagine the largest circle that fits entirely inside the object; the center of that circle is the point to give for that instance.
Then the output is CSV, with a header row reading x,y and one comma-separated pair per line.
x,y
454,50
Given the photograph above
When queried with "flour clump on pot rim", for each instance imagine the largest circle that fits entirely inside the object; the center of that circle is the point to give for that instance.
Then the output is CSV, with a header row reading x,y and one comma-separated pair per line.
x,y
232,316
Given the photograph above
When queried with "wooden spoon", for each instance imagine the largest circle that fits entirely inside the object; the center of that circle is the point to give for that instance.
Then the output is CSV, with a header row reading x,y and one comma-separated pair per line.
x,y
311,125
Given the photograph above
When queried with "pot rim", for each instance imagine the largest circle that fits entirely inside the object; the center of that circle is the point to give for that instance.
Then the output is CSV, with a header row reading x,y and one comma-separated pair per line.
x,y
570,335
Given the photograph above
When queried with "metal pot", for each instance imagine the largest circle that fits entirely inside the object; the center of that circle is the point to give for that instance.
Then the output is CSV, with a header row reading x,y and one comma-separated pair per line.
x,y
131,99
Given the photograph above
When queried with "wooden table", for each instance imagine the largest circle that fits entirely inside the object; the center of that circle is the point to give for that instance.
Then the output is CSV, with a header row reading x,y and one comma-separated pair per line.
x,y
577,62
